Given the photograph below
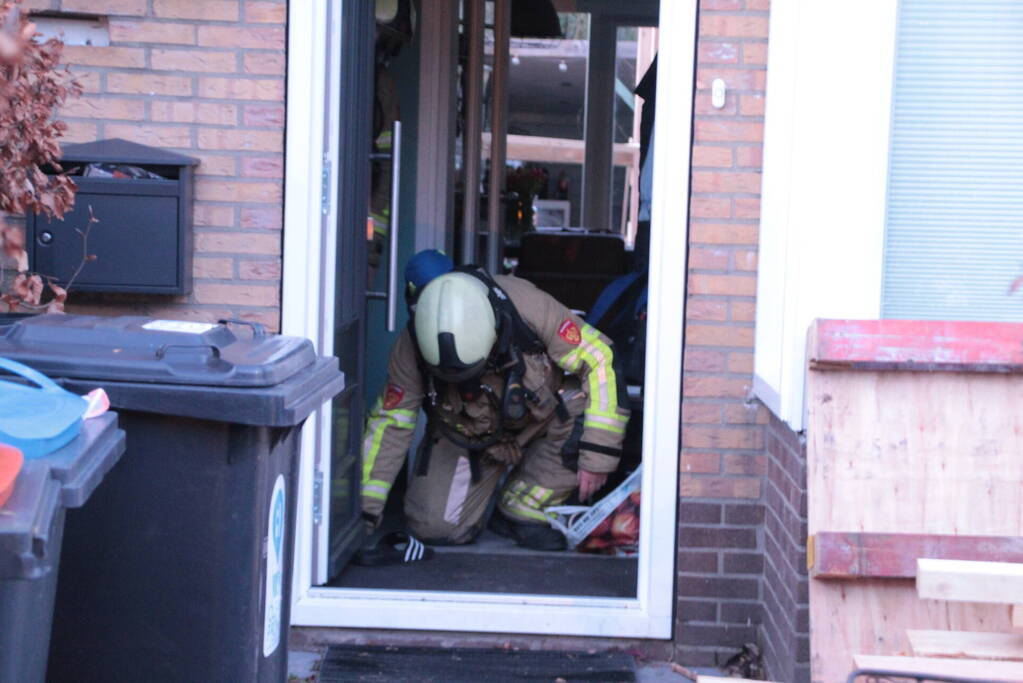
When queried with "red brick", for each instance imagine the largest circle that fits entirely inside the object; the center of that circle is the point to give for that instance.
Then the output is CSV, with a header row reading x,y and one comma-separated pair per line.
x,y
149,84
259,270
206,10
710,207
263,115
728,26
238,243
213,268
110,108
79,131
241,140
740,362
747,208
155,136
698,360
242,88
708,259
722,182
735,79
734,438
271,318
234,191
745,259
215,165
746,464
749,156
207,61
129,31
206,215
89,80
758,5
191,111
720,5
267,219
196,313
719,487
242,295
743,311
704,107
718,52
271,63
266,12
38,5
728,131
715,387
705,309
135,8
754,53
700,413
736,285
262,167
751,105
700,463
724,233
719,335
126,57
746,413
706,155
263,38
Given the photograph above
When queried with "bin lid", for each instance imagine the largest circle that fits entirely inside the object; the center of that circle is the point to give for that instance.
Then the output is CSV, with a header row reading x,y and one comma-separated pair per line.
x,y
80,466
116,150
26,523
141,349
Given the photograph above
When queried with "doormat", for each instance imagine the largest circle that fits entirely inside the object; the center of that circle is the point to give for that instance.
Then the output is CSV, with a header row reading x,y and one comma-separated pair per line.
x,y
464,665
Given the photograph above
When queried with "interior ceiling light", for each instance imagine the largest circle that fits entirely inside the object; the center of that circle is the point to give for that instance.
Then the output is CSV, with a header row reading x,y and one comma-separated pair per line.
x,y
515,60
562,67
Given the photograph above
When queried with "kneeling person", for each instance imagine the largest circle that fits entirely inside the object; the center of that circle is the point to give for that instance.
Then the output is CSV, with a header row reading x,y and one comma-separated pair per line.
x,y
486,359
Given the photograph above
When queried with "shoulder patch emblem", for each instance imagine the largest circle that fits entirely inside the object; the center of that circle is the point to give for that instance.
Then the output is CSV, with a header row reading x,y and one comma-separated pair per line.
x,y
569,331
393,396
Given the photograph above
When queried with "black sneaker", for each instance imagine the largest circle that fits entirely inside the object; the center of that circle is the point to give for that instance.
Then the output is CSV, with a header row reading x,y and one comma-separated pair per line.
x,y
530,535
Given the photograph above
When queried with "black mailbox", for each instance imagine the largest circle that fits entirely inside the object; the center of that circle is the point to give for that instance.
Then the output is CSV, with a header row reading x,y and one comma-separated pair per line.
x,y
142,198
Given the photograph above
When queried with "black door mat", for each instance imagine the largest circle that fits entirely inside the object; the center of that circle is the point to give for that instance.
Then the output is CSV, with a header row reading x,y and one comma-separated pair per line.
x,y
344,663
547,574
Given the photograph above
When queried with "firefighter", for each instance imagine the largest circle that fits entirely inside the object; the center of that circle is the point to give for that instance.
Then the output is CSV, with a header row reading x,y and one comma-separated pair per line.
x,y
509,379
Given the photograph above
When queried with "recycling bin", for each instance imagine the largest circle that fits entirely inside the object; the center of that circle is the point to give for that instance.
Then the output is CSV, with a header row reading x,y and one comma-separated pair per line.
x,y
180,567
32,525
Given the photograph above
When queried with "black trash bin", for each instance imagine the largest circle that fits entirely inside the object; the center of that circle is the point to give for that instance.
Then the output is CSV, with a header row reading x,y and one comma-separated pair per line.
x,y
180,567
31,529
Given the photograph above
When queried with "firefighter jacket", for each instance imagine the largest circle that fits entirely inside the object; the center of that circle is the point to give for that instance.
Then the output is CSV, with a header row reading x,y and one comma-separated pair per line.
x,y
573,347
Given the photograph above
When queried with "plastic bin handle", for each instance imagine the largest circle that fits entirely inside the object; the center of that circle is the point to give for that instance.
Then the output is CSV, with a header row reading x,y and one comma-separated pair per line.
x,y
15,368
258,329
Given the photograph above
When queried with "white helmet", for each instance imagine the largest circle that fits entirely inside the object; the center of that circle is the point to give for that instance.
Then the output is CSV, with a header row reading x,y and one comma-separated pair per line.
x,y
455,326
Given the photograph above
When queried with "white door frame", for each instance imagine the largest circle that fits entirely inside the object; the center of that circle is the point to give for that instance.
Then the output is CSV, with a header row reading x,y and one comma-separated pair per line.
x,y
308,309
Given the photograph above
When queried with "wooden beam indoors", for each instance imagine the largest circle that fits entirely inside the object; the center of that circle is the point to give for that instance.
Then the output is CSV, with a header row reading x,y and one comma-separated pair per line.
x,y
559,150
942,666
965,581
849,555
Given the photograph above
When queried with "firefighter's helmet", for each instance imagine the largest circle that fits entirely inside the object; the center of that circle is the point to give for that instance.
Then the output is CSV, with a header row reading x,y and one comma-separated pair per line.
x,y
455,326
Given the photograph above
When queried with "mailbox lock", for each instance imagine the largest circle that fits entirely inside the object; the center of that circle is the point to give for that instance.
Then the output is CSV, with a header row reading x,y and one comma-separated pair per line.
x,y
45,237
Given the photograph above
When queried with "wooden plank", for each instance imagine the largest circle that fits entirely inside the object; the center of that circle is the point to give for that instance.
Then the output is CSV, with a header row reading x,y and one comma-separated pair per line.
x,y
718,679
844,555
967,668
966,581
925,345
906,452
1016,618
967,644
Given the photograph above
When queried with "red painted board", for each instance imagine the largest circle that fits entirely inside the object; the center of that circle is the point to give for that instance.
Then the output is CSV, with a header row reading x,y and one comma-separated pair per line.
x,y
921,345
848,555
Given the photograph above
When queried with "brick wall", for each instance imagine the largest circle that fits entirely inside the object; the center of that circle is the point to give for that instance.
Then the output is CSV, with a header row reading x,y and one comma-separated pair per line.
x,y
205,79
786,628
723,464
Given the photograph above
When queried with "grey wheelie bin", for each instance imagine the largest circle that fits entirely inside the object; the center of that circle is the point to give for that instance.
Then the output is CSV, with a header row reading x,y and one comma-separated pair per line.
x,y
31,529
180,567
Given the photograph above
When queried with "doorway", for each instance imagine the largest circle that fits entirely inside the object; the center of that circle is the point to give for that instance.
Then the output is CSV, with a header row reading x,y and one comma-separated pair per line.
x,y
645,608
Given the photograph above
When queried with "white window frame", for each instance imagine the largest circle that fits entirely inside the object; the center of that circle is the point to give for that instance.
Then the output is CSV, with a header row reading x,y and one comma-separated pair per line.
x,y
825,178
307,311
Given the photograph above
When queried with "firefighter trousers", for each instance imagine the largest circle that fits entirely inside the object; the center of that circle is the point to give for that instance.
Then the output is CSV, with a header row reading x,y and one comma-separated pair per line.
x,y
445,506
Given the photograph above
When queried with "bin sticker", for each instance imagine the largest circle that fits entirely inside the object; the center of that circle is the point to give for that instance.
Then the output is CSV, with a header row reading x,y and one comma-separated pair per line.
x,y
178,326
274,570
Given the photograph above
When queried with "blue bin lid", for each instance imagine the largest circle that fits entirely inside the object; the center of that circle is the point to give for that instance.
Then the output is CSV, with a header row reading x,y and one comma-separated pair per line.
x,y
141,349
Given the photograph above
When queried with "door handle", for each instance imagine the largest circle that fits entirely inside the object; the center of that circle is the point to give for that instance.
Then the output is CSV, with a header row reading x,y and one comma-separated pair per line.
x,y
392,230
